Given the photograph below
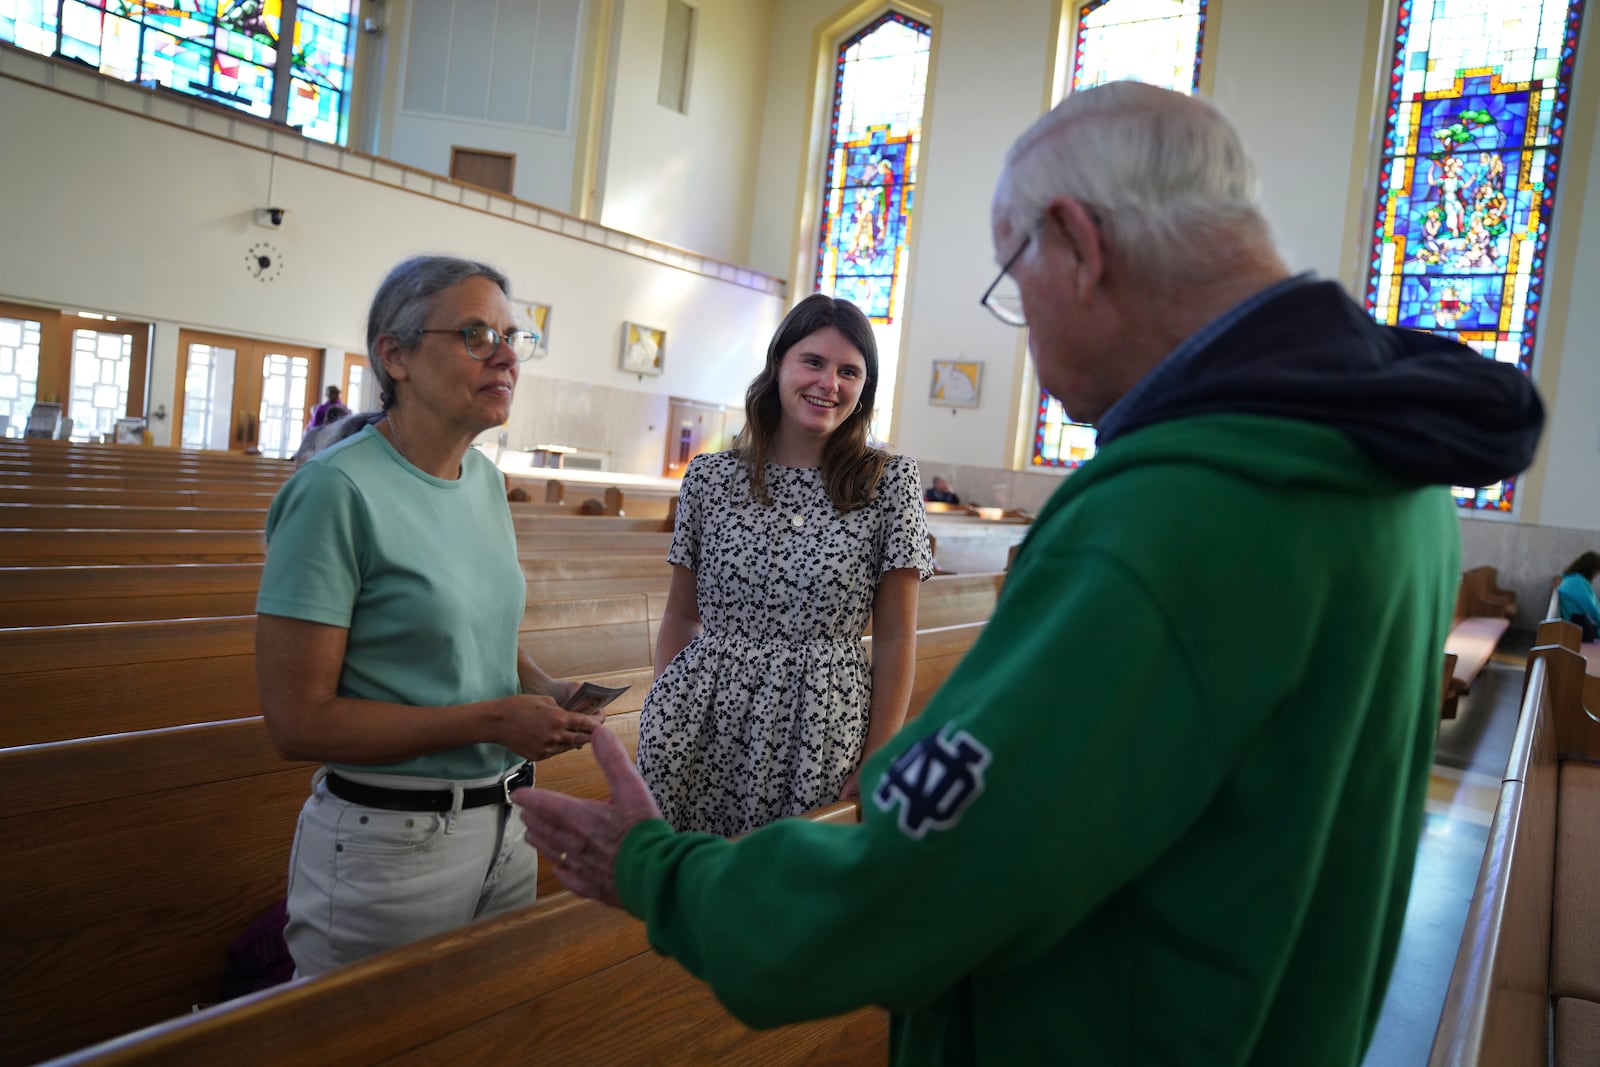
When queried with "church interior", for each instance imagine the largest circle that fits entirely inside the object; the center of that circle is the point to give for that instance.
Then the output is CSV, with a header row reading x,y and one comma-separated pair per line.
x,y
186,269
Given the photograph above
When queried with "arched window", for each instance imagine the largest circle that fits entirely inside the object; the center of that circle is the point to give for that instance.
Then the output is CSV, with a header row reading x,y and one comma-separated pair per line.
x,y
1154,41
227,52
880,82
1475,118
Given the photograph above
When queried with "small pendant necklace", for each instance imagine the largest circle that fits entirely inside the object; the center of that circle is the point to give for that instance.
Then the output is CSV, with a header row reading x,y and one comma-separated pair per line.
x,y
394,431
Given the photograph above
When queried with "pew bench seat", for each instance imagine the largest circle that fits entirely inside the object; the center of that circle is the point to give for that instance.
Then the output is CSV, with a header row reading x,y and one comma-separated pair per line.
x,y
1529,963
1483,614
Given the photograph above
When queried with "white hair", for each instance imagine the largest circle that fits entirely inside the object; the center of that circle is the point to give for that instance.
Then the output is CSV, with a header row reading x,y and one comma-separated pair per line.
x,y
1164,174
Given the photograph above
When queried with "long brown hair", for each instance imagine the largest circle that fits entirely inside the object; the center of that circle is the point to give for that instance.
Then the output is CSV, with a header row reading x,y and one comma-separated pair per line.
x,y
850,467
1587,565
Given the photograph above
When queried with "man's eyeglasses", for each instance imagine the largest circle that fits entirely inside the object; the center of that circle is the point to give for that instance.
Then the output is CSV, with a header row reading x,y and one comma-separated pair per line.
x,y
1003,298
483,341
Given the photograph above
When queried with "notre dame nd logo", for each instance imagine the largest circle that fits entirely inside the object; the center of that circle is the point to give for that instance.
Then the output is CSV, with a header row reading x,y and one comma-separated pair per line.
x,y
933,781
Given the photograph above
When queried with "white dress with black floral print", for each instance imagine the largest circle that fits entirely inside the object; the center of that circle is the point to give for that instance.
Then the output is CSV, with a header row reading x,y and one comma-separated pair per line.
x,y
765,713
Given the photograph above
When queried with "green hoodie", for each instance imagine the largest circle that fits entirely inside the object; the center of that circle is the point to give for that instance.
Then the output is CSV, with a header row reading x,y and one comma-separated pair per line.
x,y
1166,809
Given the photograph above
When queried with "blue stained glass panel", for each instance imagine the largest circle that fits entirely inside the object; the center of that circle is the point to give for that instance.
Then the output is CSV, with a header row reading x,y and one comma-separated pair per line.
x,y
1472,146
1158,42
879,86
223,50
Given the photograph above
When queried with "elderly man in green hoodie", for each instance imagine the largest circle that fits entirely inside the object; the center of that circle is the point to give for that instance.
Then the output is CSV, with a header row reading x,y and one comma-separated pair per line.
x,y
1166,809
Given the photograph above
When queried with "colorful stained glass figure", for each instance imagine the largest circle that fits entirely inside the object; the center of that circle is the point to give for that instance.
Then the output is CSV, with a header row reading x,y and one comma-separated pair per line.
x,y
226,51
1159,42
879,85
1475,118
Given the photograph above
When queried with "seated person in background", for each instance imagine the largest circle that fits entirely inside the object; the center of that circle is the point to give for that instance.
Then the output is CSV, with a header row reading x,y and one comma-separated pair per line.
x,y
316,437
1575,599
386,636
940,492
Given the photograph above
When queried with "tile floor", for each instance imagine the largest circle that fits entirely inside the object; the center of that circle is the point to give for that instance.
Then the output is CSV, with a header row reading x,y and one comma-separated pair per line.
x,y
1469,763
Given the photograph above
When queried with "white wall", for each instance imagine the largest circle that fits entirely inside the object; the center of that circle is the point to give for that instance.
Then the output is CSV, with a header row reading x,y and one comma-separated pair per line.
x,y
544,157
1570,493
178,257
1300,130
687,179
543,173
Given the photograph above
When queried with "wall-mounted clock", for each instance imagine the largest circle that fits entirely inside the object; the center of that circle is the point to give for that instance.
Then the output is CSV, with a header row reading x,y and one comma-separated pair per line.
x,y
263,261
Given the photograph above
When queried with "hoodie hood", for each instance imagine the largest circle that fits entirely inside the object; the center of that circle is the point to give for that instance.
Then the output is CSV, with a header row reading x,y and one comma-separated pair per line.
x,y
1429,410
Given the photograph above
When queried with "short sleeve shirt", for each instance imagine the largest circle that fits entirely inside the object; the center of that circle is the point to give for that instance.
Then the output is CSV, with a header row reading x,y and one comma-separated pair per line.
x,y
423,574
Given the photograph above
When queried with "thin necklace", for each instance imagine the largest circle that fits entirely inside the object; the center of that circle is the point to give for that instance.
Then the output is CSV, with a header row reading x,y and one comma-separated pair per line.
x,y
394,431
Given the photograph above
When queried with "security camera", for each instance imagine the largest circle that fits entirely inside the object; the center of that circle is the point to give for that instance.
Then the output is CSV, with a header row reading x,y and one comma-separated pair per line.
x,y
270,216
276,215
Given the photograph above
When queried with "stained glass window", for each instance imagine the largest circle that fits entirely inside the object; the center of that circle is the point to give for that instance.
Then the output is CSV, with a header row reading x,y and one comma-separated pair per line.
x,y
878,89
1475,118
319,72
874,137
227,51
1159,42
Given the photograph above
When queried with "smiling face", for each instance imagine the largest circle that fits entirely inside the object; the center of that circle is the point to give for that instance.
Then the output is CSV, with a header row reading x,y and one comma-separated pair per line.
x,y
820,380
441,382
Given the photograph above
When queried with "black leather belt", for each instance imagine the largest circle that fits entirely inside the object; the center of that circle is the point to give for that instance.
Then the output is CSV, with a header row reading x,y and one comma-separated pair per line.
x,y
439,800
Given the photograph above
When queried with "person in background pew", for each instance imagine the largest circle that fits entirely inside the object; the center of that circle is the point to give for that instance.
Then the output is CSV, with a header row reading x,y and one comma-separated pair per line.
x,y
940,492
386,637
1155,815
783,548
311,443
1575,597
323,412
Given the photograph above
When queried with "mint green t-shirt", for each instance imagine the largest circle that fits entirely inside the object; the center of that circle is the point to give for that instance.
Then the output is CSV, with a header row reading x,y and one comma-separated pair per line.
x,y
423,574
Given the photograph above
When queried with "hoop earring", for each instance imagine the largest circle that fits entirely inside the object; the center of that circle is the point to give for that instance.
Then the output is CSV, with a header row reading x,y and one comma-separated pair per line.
x,y
857,411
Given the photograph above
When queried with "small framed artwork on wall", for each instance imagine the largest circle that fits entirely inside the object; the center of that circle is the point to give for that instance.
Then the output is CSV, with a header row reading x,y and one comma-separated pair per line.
x,y
644,349
532,315
956,383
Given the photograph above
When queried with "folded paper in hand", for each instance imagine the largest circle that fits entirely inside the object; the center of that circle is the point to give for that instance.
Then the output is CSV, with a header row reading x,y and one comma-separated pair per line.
x,y
591,698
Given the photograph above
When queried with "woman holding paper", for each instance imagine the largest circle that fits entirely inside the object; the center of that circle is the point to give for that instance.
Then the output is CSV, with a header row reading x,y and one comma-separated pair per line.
x,y
386,636
764,703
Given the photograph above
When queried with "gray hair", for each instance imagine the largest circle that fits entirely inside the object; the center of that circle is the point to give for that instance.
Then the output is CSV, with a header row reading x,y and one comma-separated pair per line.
x,y
404,299
1165,173
400,307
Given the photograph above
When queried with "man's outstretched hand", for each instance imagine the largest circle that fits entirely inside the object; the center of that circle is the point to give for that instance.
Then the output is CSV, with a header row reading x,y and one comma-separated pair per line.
x,y
583,836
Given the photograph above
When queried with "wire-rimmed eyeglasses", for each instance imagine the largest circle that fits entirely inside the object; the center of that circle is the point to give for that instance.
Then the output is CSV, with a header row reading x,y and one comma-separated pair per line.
x,y
483,341
1003,298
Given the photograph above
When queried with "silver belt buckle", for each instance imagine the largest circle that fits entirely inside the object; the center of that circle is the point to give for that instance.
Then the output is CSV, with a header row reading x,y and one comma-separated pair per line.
x,y
521,776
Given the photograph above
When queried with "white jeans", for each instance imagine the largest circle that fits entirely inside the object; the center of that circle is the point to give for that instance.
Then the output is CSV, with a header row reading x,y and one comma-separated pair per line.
x,y
363,880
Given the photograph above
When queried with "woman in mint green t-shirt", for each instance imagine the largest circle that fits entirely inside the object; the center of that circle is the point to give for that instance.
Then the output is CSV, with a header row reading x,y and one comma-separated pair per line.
x,y
386,639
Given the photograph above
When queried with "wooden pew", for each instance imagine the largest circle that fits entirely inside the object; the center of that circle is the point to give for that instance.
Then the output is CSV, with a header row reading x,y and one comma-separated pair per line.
x,y
1483,613
67,596
154,498
105,678
122,517
133,831
78,548
1528,965
93,547
173,840
564,981
82,681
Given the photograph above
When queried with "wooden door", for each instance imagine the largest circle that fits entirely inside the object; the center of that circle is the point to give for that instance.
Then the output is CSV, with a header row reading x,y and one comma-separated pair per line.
x,y
692,428
238,394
